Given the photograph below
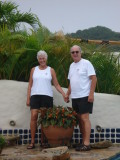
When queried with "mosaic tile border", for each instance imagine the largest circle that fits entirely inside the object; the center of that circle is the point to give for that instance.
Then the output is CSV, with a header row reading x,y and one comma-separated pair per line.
x,y
112,134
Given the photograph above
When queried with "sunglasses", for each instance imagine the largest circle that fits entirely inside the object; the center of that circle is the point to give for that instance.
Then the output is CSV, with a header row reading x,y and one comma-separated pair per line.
x,y
75,52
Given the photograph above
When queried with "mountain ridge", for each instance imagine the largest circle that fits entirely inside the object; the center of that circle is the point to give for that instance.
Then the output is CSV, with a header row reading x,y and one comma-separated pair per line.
x,y
97,33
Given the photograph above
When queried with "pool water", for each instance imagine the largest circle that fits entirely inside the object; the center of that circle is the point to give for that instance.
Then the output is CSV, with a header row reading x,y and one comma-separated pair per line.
x,y
116,157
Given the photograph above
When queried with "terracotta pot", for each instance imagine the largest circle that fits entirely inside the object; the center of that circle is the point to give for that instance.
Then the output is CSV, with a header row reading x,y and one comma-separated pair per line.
x,y
58,136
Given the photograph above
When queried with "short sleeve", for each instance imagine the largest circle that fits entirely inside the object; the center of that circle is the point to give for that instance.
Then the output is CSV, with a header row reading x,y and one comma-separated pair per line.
x,y
90,69
69,74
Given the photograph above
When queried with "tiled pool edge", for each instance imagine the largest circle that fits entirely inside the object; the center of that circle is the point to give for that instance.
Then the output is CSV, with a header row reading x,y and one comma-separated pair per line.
x,y
112,134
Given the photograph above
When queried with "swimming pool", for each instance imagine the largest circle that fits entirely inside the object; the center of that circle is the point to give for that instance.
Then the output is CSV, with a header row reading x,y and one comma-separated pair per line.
x,y
116,157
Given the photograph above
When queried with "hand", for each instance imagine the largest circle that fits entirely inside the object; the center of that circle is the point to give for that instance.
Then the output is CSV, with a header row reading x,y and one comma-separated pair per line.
x,y
67,98
64,97
91,98
28,102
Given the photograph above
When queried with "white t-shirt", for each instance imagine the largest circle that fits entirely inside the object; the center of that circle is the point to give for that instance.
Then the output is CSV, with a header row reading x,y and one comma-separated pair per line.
x,y
79,76
42,82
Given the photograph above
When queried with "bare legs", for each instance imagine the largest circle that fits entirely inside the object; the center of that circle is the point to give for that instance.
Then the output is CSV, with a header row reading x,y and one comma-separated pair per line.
x,y
33,124
85,128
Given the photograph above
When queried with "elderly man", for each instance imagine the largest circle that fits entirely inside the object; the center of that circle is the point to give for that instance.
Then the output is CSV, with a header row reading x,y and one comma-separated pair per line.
x,y
82,86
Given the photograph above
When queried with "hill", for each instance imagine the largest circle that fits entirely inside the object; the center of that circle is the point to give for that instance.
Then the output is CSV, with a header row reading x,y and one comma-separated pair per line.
x,y
97,33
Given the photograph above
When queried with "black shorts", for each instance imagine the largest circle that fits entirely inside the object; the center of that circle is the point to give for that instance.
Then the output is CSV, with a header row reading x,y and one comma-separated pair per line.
x,y
81,105
38,101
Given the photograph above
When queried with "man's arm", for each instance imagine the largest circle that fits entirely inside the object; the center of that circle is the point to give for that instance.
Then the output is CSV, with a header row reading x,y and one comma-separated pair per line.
x,y
92,88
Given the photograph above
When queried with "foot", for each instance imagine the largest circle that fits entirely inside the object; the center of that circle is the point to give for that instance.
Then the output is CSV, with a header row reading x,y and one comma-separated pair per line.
x,y
31,146
45,145
77,145
83,148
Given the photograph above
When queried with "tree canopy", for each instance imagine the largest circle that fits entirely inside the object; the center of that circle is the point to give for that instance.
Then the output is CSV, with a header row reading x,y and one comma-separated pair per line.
x,y
11,17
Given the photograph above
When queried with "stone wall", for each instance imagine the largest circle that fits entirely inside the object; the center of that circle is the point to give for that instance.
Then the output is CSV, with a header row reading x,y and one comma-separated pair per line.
x,y
13,107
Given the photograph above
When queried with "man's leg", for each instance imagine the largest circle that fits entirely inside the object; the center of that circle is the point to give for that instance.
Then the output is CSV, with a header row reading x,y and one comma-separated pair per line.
x,y
81,127
86,128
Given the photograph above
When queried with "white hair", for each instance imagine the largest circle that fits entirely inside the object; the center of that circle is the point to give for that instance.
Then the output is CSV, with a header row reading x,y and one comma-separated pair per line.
x,y
42,53
75,46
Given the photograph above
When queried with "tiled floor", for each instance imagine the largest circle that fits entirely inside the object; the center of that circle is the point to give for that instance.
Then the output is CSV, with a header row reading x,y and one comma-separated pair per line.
x,y
21,153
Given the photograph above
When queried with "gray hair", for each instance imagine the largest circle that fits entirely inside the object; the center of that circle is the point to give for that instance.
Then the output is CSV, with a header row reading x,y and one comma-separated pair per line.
x,y
42,53
76,46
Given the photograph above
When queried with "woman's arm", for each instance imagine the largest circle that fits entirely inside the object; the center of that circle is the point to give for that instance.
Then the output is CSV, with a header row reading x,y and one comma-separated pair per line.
x,y
56,84
68,93
29,87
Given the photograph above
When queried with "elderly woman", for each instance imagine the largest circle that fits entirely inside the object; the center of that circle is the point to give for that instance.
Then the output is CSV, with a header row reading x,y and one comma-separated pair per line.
x,y
40,92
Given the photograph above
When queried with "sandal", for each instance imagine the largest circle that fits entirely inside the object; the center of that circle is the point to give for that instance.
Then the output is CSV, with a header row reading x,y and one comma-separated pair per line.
x,y
77,146
83,148
31,146
45,145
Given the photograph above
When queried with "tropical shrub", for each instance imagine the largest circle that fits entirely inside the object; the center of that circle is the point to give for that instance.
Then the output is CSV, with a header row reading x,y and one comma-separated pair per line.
x,y
58,116
2,141
18,55
108,73
11,17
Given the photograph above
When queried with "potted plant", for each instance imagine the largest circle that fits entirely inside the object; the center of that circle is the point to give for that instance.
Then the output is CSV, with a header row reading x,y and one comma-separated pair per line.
x,y
58,124
2,143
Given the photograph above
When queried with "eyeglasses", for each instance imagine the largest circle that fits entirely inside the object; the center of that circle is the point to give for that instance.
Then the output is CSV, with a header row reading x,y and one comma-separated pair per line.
x,y
75,52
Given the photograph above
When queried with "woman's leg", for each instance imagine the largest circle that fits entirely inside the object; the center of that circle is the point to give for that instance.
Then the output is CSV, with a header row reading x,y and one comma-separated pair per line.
x,y
33,124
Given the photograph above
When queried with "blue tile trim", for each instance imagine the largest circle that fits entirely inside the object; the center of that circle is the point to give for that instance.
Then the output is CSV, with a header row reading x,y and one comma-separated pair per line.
x,y
102,135
112,134
92,136
113,140
118,130
112,130
107,130
97,135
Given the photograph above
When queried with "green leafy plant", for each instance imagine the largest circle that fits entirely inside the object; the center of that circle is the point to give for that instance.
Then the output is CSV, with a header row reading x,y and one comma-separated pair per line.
x,y
12,17
57,116
2,141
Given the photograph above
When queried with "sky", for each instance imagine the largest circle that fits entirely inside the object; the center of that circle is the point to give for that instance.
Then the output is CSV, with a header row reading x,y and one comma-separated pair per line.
x,y
72,15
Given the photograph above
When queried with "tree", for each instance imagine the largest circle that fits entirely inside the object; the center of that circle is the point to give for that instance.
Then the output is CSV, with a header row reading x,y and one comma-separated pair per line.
x,y
11,17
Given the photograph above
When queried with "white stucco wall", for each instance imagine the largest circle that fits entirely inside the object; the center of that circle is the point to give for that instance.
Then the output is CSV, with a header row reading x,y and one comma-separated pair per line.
x,y
13,106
